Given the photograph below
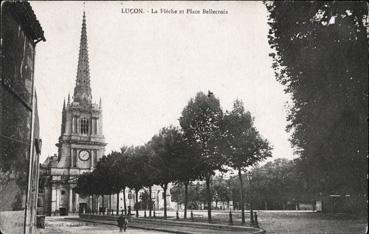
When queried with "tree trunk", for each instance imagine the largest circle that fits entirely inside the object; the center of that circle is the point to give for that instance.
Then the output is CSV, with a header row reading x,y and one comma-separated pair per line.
x,y
242,199
117,203
186,199
150,201
251,210
102,202
109,202
124,201
165,200
209,197
91,204
97,203
136,205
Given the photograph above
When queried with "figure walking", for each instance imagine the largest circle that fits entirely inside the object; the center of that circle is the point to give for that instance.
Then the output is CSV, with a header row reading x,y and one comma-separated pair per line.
x,y
122,223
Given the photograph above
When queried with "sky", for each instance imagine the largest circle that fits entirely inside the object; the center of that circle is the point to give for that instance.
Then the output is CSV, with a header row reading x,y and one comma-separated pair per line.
x,y
146,67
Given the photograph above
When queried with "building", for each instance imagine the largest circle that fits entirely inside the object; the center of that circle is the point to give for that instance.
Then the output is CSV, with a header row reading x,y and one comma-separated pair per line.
x,y
20,144
81,144
157,197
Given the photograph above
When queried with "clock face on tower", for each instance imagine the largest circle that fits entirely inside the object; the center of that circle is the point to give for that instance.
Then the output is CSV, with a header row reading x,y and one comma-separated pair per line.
x,y
84,155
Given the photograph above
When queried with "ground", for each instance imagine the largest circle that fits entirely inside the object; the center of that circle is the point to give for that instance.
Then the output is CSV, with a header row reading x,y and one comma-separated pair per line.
x,y
309,222
275,222
291,222
58,225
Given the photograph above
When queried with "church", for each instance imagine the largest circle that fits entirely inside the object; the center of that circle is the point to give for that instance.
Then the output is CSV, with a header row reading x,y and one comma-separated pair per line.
x,y
81,144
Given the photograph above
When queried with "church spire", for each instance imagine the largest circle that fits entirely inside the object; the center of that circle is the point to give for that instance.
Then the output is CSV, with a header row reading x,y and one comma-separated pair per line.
x,y
82,90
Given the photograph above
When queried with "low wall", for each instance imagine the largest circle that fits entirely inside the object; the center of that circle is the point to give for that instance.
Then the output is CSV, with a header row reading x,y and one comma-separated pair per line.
x,y
163,222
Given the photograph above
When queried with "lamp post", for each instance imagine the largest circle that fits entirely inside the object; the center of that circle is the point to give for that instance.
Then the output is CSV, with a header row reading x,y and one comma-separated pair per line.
x,y
230,198
153,205
249,177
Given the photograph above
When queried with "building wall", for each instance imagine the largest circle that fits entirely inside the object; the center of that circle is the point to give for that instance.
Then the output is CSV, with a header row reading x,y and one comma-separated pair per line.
x,y
19,127
157,198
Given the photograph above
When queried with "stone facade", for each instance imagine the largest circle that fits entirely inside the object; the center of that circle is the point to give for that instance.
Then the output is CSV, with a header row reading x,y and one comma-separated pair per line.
x,y
110,202
20,143
81,144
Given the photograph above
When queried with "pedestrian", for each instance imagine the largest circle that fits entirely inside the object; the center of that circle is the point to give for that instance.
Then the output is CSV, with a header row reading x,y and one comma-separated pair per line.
x,y
121,222
125,223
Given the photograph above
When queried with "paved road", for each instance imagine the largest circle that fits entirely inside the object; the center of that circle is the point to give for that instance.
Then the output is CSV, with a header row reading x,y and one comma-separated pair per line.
x,y
276,222
291,222
58,225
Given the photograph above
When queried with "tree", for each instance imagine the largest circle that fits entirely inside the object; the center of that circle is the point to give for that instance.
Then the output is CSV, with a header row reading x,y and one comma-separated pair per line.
x,y
104,178
221,190
150,180
85,184
165,147
120,173
321,59
114,175
90,183
137,157
200,121
278,183
185,165
243,144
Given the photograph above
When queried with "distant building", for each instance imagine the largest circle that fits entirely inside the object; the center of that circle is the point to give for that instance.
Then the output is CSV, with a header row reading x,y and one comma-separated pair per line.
x,y
157,197
81,144
20,144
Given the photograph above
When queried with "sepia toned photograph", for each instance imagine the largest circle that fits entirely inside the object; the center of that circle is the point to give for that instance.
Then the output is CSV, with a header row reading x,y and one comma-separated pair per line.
x,y
184,117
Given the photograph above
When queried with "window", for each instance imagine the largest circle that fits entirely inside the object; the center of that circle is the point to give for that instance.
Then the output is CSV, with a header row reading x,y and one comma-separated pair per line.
x,y
95,157
95,126
74,161
84,126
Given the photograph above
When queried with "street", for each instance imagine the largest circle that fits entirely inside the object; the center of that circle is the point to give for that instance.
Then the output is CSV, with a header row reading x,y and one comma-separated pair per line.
x,y
285,221
271,221
57,224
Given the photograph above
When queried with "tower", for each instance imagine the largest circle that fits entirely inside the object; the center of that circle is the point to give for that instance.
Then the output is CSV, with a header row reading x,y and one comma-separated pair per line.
x,y
81,143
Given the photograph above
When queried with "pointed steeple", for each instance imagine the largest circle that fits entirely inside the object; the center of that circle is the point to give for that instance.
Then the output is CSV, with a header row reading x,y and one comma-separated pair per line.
x,y
82,90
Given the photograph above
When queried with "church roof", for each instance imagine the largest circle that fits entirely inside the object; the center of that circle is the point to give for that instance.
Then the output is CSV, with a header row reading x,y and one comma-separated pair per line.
x,y
82,90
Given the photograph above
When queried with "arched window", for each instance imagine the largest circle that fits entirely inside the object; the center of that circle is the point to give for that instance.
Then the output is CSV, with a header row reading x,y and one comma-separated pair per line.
x,y
84,126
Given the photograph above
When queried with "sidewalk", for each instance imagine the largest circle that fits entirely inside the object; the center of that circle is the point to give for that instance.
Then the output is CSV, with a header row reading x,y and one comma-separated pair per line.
x,y
72,225
170,226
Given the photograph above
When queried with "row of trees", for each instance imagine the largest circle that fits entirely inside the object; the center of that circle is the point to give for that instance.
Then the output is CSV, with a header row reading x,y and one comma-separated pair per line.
x,y
208,141
275,185
197,194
